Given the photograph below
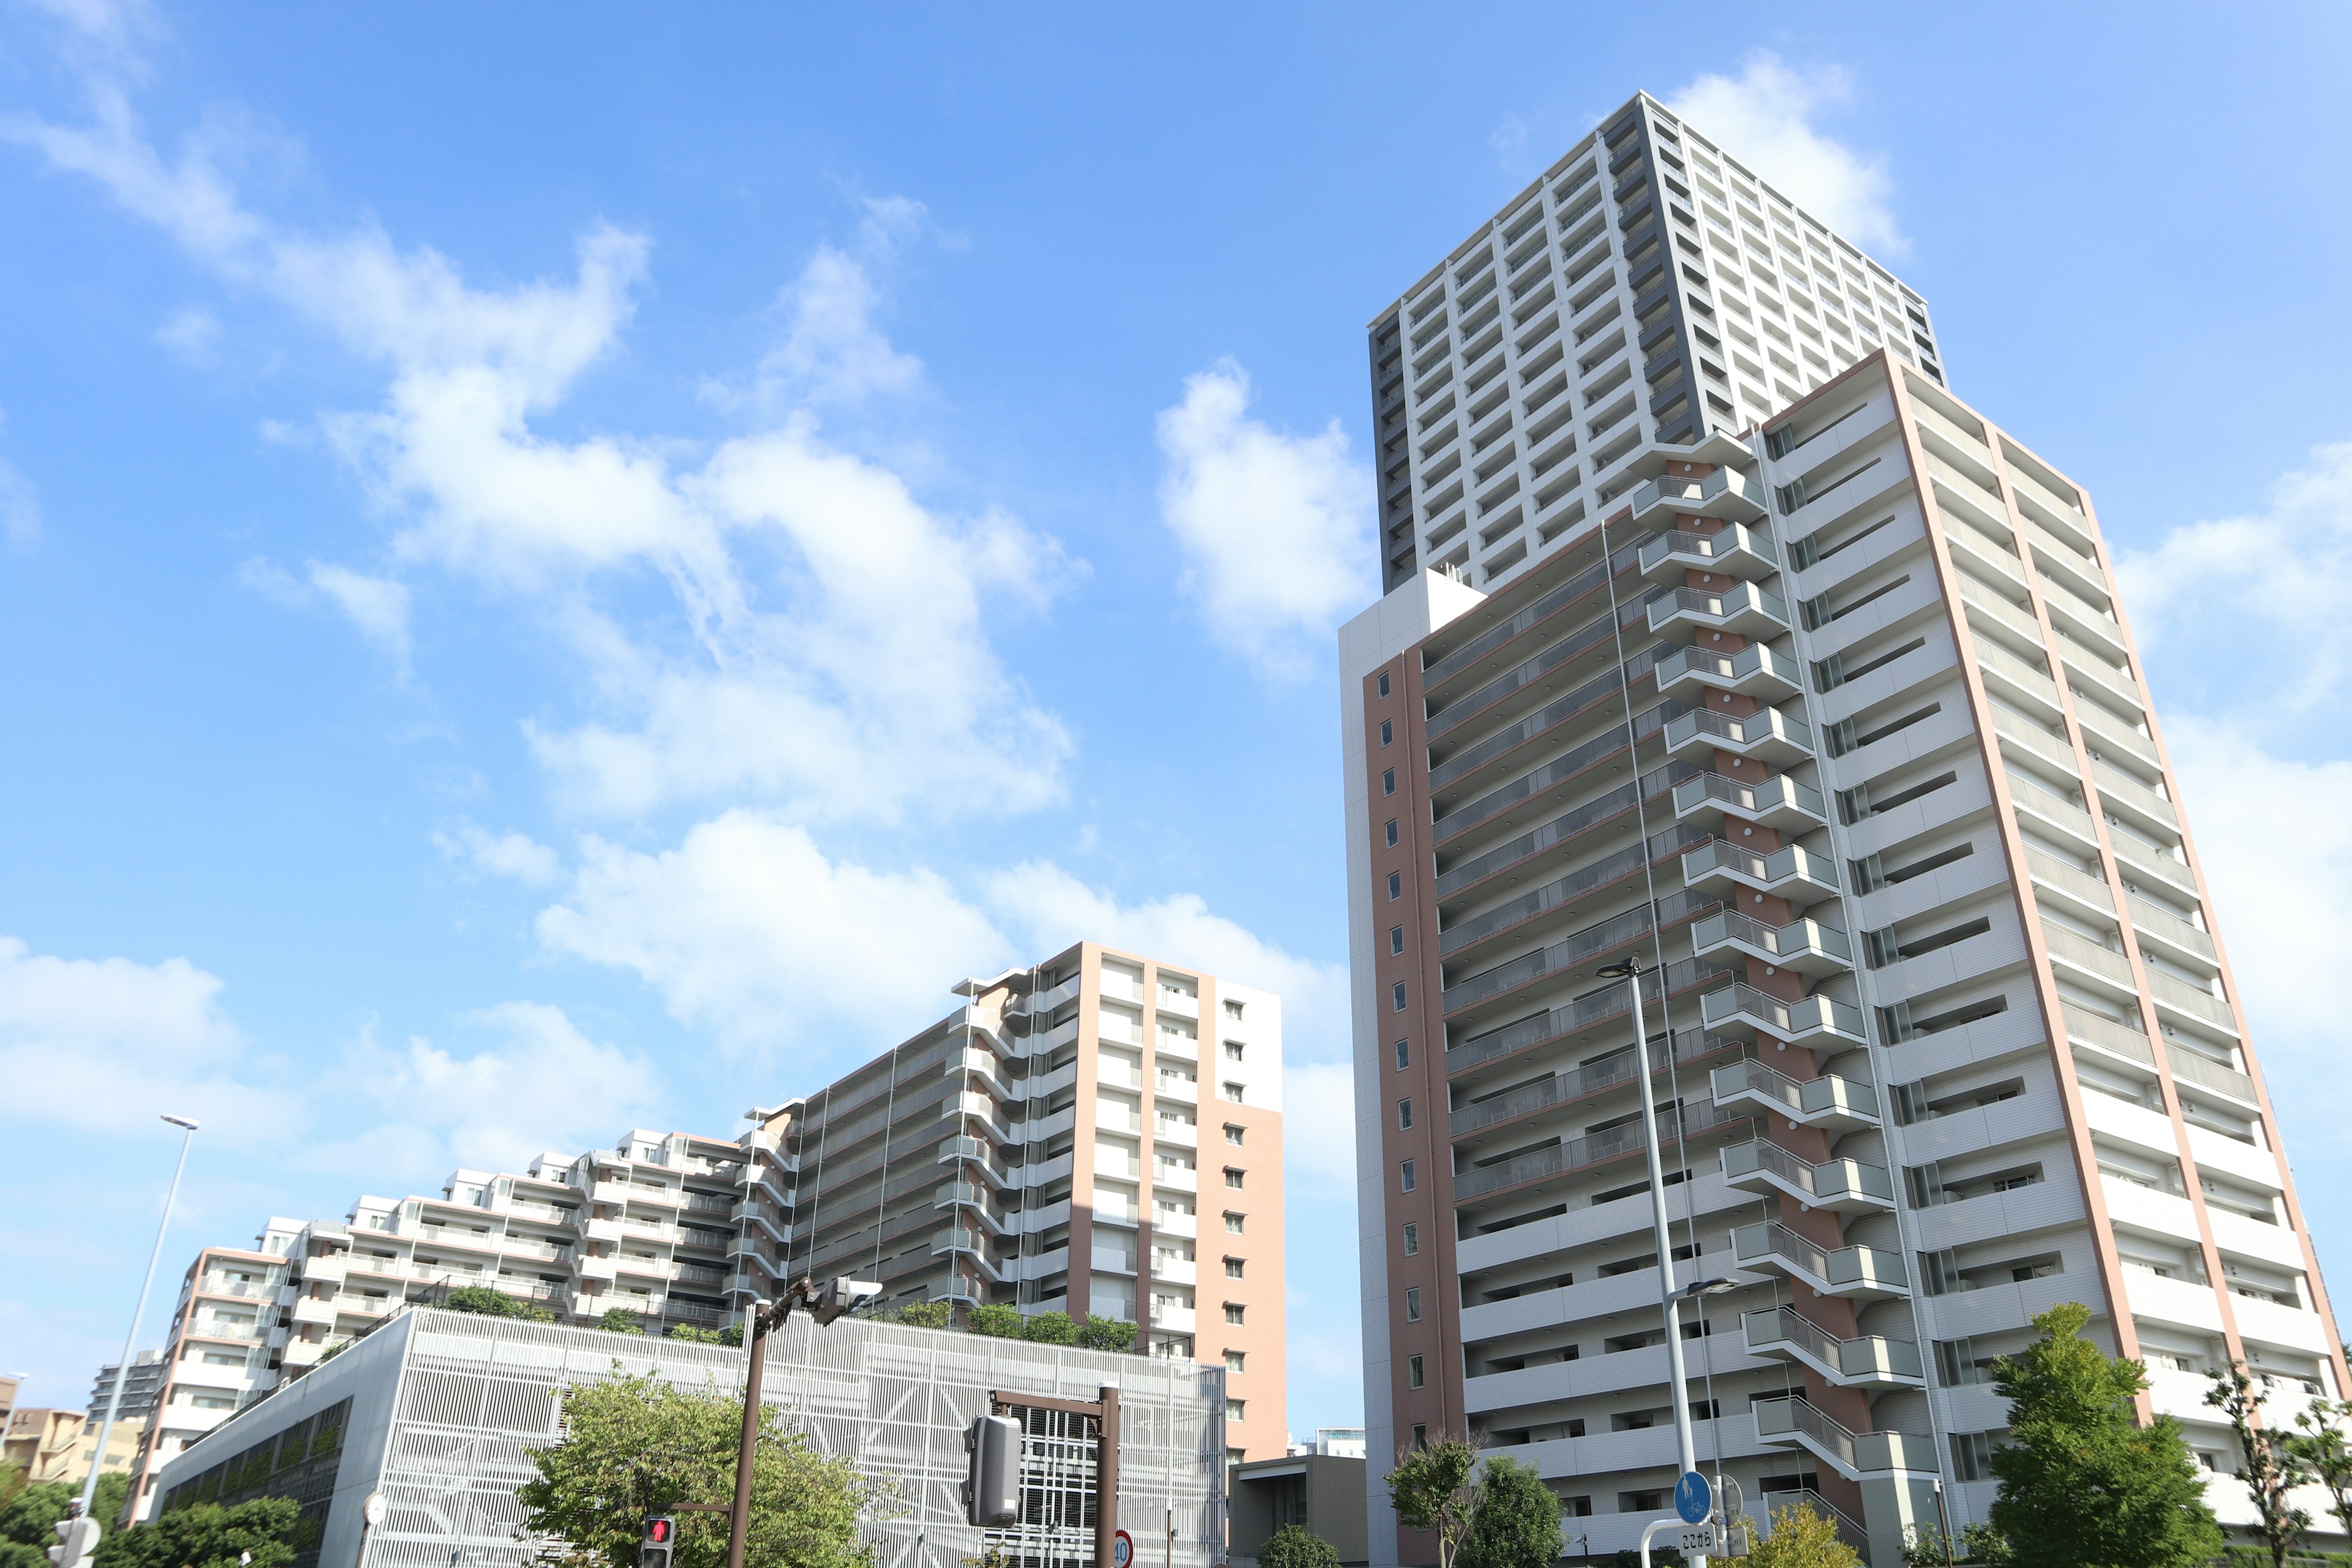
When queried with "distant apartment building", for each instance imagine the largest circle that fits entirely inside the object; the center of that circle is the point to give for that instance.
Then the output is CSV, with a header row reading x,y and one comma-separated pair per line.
x,y
221,1354
59,1445
1101,1134
1648,289
1840,728
139,1394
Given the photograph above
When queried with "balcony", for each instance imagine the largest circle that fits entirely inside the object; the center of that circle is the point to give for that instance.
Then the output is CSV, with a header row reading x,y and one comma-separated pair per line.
x,y
1859,1273
1754,671
1723,868
1793,1423
1842,1187
1781,1333
1741,607
1779,802
1832,1103
1725,493
1768,735
1173,1319
1574,1154
1566,1086
1736,551
1806,1022
1802,947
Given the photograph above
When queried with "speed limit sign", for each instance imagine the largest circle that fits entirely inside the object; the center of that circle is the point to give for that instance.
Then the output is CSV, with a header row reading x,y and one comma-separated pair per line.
x,y
1122,1551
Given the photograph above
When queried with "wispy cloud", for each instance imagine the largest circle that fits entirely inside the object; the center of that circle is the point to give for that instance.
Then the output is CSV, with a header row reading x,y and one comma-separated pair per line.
x,y
1766,116
20,509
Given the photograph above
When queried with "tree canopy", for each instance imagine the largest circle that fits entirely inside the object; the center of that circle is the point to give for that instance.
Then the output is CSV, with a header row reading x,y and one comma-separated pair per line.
x,y
1802,1537
207,1535
1517,1520
1296,1546
1435,1488
487,1302
2083,1485
635,1446
27,1510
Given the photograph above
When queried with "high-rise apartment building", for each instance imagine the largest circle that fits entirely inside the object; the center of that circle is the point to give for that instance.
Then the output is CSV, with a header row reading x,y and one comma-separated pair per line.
x,y
1647,288
222,1353
147,1369
1101,1134
1840,728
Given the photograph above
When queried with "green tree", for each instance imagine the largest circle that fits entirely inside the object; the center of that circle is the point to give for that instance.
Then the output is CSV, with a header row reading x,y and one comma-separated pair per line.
x,y
1435,1488
1980,1542
633,1445
996,1321
620,1321
1517,1524
2320,1451
1050,1328
1099,1333
1805,1537
490,1303
2082,1482
29,1510
2271,1466
1296,1546
210,1536
732,1334
928,1314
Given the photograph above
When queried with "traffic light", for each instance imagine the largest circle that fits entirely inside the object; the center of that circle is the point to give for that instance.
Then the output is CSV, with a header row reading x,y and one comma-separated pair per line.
x,y
840,1295
991,1487
77,1539
660,1541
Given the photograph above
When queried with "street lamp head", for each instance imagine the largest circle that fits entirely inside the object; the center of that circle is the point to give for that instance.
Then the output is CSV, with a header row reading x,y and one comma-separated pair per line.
x,y
188,1122
1714,1286
1623,969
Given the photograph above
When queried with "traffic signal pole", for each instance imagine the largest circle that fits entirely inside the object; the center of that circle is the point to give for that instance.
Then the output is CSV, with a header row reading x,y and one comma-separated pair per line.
x,y
824,1304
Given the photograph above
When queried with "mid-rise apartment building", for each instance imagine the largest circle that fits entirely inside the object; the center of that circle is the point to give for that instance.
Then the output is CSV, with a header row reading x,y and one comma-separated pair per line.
x,y
1648,288
1099,1134
1841,729
147,1369
59,1445
222,1353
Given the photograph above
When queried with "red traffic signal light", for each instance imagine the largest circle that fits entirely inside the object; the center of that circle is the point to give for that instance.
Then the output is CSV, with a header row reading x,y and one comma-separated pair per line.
x,y
659,1530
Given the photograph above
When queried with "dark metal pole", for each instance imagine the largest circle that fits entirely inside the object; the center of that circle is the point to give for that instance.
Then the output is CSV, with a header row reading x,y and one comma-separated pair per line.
x,y
1106,1479
739,1517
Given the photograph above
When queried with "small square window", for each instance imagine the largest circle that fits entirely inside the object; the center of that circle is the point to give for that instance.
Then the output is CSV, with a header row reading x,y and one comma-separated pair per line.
x,y
1232,1050
1404,1176
1234,1408
1384,683
1405,1115
1233,1178
1396,938
1388,781
1392,831
1420,1435
1396,997
1412,1304
1233,1311
1233,1224
1233,1360
1233,1009
1413,1240
1403,1055
1232,1091
1388,732
1233,1268
1413,1372
1232,1135
1396,885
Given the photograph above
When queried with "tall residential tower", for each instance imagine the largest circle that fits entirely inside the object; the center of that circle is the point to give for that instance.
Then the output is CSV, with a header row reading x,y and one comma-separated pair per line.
x,y
1837,724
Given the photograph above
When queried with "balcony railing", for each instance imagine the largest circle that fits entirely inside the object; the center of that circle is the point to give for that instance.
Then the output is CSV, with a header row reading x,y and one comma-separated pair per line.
x,y
1568,952
1790,870
1590,1079
1846,1271
1854,1454
1805,945
1597,1148
1575,1017
1766,733
1871,1359
1577,587
1561,829
1695,495
1793,1021
1735,606
1751,666
1777,802
1735,551
1824,1101
1845,1185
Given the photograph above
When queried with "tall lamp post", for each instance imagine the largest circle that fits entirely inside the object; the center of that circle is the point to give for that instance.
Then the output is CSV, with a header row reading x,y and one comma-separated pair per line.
x,y
130,1340
1670,1298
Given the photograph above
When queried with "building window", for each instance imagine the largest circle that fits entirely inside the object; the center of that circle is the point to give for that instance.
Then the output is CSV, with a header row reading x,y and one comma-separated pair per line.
x,y
1233,1268
1234,1408
1405,1115
1392,831
1232,1050
1388,781
1404,1176
1413,1372
1972,1456
1396,940
1233,1223
1233,1009
1233,1360
1396,886
1232,1091
1413,1240
1420,1435
1233,1310
1403,1055
1232,1135
1396,997
1412,1304
1384,683
1388,732
1233,1178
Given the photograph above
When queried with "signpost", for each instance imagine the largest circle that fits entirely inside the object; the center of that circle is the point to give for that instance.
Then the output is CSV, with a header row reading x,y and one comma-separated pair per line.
x,y
1122,1551
1694,1499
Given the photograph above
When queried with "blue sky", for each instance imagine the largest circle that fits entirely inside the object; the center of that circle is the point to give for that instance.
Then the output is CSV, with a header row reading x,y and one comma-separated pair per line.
x,y
558,576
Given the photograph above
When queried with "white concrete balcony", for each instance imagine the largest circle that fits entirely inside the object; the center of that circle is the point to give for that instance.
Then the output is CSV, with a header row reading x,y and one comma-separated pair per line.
x,y
1842,1186
2181,1303
2275,1323
1176,1004
1736,551
1754,671
1804,947
1780,802
1175,1178
1793,873
1830,1103
1725,493
1781,1334
598,1267
1858,1273
1176,1270
1766,735
1111,1260
314,1309
1816,1019
1173,1086
1168,1129
1792,1423
1174,1222
1741,607
1176,1320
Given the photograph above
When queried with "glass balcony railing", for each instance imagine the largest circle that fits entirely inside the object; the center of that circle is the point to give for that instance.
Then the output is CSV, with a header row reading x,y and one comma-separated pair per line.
x,y
1871,1359
1774,801
1695,494
1846,1185
1766,730
1803,1019
1824,1101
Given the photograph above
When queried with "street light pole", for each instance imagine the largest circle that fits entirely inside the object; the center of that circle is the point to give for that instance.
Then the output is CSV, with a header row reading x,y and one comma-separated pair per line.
x,y
130,1340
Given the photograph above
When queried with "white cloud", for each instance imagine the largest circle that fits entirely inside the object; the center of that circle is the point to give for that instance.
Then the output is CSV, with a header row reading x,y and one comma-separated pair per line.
x,y
108,1044
747,929
378,606
20,507
1765,118
515,857
190,334
1276,529
832,350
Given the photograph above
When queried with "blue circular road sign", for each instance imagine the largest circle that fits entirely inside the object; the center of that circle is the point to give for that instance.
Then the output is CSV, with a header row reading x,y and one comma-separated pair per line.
x,y
1693,1500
